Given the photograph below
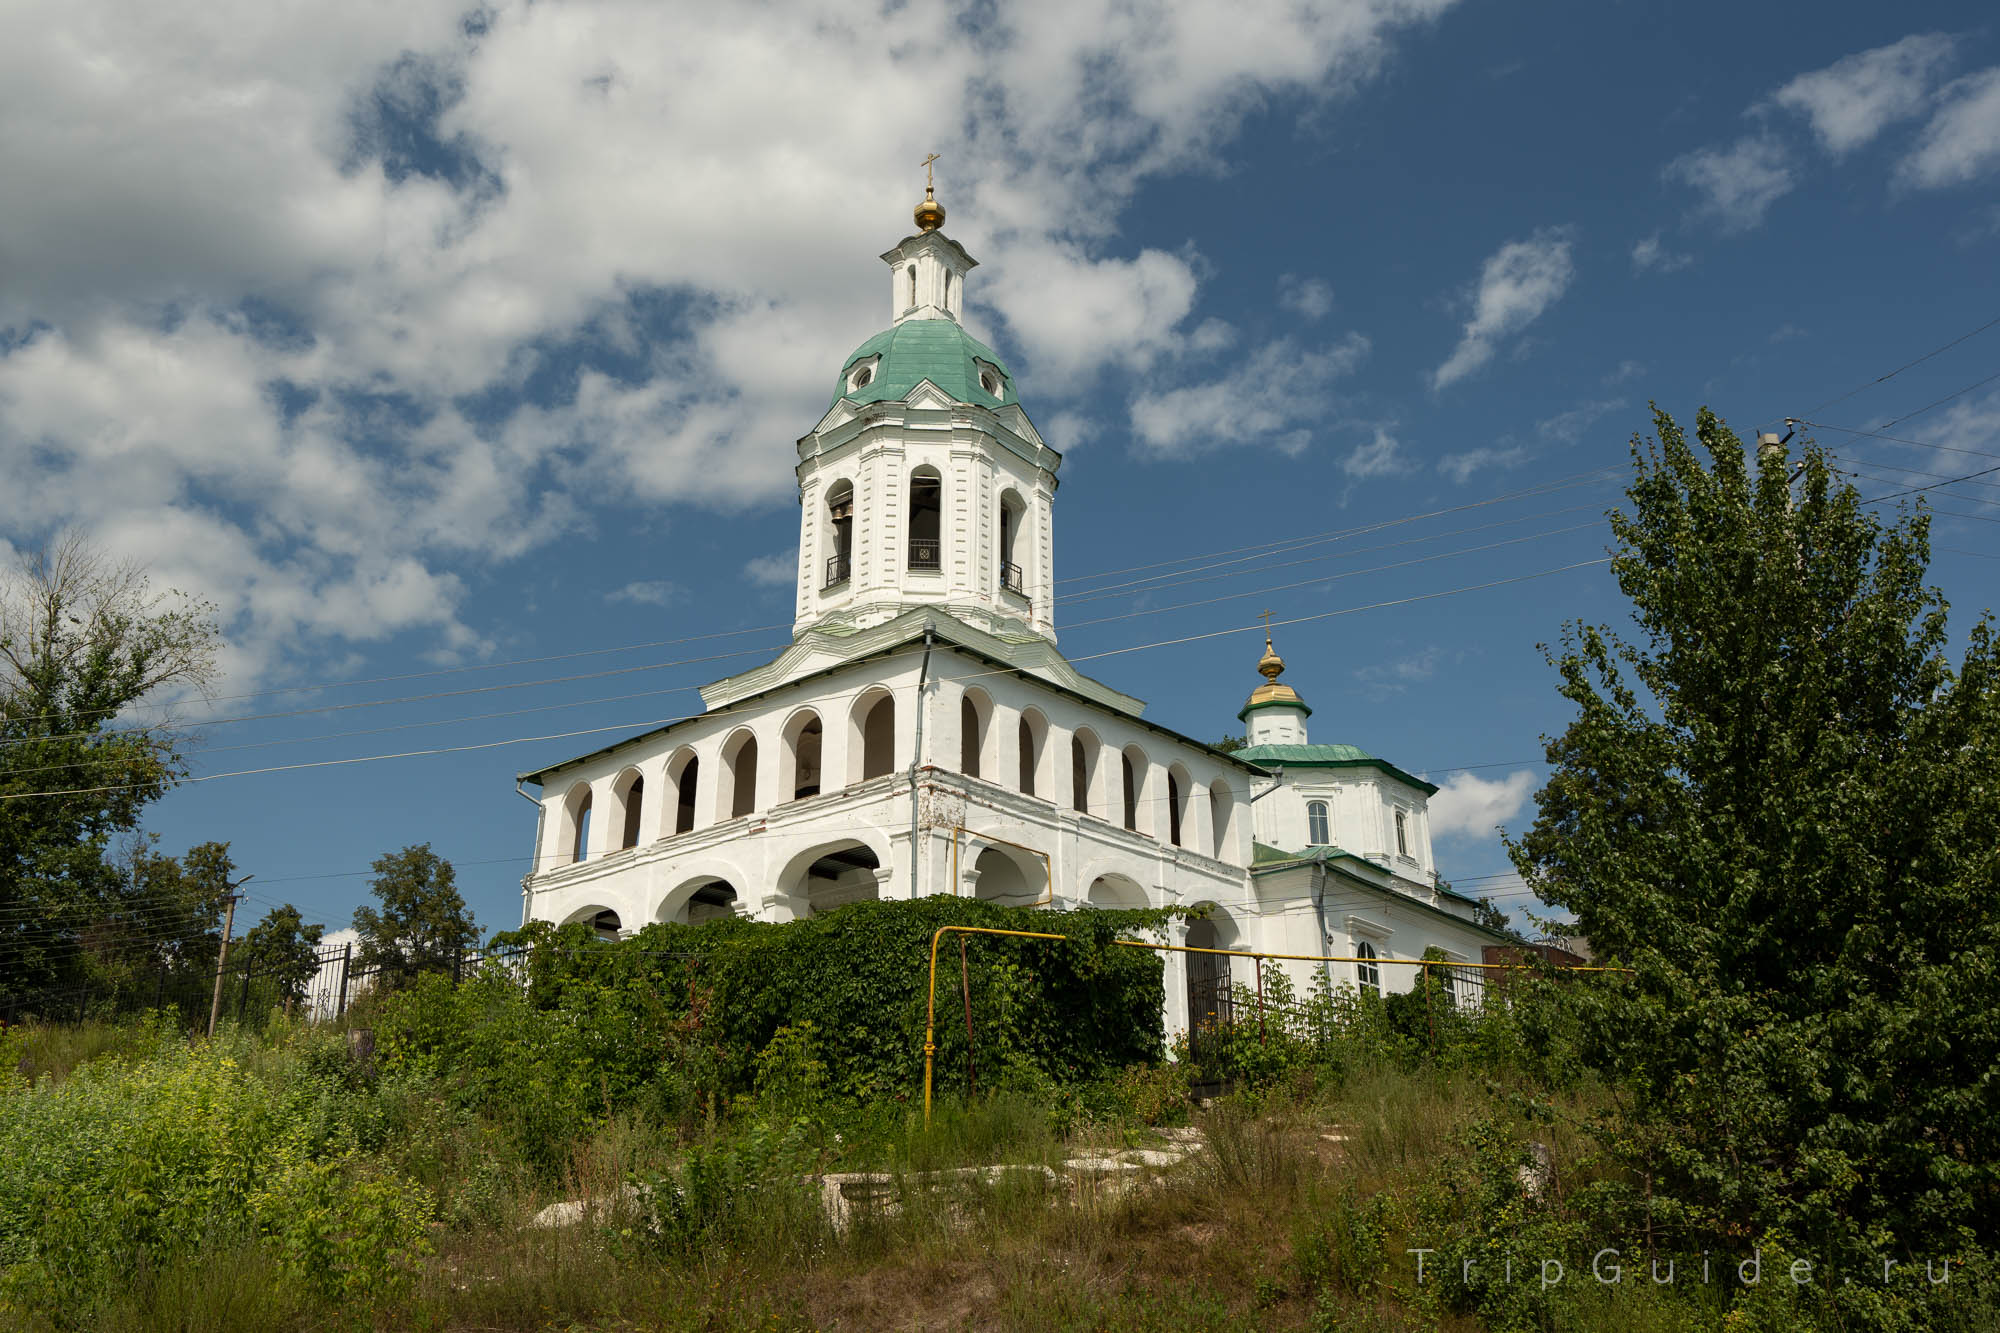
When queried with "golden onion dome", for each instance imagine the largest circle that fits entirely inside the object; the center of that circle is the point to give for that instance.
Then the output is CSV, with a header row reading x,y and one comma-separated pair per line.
x,y
930,213
1270,666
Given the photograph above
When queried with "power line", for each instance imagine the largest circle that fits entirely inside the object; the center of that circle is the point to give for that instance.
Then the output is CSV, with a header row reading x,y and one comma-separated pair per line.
x,y
1896,439
734,709
1907,365
1959,393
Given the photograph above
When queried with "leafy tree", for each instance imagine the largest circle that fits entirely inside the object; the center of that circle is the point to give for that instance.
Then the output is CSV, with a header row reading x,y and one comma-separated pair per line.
x,y
284,948
168,914
1780,804
423,924
1228,744
1487,914
82,640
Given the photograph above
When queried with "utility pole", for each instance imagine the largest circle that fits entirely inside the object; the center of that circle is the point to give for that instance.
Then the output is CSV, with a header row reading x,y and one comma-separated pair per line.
x,y
222,958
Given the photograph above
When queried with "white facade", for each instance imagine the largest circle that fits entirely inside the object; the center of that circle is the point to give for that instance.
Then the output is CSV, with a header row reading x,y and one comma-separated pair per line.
x,y
923,735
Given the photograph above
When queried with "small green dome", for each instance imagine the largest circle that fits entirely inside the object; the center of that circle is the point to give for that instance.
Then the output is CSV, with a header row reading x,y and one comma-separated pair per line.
x,y
937,350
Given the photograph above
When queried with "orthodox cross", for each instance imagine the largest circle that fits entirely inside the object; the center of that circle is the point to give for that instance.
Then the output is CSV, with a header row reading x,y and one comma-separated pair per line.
x,y
929,184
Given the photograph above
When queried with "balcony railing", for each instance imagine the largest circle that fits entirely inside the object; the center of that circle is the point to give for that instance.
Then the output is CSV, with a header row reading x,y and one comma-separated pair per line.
x,y
925,553
1010,579
838,570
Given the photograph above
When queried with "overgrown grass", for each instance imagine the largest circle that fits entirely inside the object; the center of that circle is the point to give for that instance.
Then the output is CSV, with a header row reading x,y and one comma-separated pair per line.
x,y
1297,1210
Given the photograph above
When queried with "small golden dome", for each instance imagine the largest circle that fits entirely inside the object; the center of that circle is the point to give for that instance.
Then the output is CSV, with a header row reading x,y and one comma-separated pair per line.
x,y
1270,666
930,213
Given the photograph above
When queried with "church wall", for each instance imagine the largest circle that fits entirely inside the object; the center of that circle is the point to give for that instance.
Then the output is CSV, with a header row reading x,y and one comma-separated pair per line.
x,y
764,855
1360,814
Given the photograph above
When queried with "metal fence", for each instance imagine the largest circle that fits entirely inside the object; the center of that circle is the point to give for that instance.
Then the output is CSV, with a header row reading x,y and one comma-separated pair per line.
x,y
251,991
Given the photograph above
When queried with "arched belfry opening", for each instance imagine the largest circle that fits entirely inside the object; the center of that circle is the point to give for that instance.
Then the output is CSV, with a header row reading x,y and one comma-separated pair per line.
x,y
839,534
926,519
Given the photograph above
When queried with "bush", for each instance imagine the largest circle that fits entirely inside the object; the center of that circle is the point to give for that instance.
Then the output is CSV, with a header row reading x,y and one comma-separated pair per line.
x,y
132,1165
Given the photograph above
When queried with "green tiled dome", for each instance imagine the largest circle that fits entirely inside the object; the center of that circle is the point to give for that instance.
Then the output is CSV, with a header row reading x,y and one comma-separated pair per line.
x,y
937,350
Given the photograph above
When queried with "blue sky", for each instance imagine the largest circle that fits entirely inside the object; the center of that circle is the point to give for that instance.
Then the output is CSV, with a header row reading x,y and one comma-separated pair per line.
x,y
429,341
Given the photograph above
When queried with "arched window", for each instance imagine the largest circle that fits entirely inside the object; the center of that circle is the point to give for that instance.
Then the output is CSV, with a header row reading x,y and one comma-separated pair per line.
x,y
878,739
1366,974
1032,731
1402,835
805,744
739,770
1316,828
684,771
1221,810
1173,808
947,291
840,533
635,800
1011,510
913,287
926,511
1082,769
971,736
581,849
1130,783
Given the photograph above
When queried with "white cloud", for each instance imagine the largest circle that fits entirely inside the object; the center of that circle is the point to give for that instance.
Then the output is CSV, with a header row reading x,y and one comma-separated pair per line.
x,y
1517,283
1569,427
776,570
1650,253
1962,141
1474,806
1390,678
648,592
1625,370
1853,100
1273,397
288,271
1308,297
1379,457
1461,467
1738,184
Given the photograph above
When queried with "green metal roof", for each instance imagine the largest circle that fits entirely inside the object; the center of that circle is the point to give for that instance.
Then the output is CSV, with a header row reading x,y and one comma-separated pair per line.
x,y
916,350
1327,756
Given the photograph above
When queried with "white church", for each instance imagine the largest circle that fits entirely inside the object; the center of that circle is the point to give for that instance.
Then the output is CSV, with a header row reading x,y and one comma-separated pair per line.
x,y
924,735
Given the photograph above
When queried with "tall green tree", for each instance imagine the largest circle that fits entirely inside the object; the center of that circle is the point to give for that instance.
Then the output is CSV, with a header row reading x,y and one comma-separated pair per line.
x,y
284,949
421,925
82,640
1779,803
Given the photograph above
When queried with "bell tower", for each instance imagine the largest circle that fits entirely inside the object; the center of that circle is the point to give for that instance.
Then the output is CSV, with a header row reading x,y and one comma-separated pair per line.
x,y
925,483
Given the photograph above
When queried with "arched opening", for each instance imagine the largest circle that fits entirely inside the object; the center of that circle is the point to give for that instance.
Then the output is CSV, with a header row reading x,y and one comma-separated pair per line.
x,y
629,794
803,737
1402,834
974,710
838,875
1083,756
912,302
947,290
1221,819
710,899
1177,790
683,773
603,921
1210,1001
1034,736
576,807
1114,892
1132,781
737,792
1012,510
1003,878
1317,825
840,533
926,514
876,725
